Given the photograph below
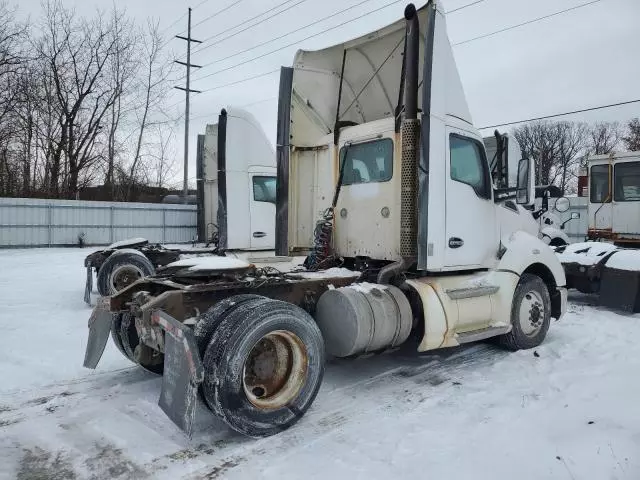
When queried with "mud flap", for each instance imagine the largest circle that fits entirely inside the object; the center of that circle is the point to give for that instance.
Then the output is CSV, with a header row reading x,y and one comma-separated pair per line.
x,y
183,371
99,329
620,290
88,287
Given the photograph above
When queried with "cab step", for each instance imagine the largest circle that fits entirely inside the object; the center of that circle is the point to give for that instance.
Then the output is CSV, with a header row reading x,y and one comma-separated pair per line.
x,y
472,292
483,334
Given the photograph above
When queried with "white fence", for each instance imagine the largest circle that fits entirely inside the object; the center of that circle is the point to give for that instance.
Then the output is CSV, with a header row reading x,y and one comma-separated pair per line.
x,y
26,222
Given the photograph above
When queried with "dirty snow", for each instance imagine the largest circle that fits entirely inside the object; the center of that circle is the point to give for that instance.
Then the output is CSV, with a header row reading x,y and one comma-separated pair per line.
x,y
585,253
127,242
334,272
625,260
212,262
566,410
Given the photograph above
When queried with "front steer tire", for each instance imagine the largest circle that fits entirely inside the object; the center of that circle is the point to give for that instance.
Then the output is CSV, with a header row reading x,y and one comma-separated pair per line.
x,y
263,367
530,314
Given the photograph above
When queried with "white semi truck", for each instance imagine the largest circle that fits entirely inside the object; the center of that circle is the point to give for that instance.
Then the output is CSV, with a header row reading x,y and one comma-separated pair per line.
x,y
385,187
236,174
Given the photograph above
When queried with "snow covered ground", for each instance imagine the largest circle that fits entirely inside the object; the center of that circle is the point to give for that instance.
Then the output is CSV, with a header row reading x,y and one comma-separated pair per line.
x,y
568,410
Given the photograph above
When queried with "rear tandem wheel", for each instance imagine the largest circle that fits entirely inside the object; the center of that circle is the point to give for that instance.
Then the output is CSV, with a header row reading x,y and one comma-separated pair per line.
x,y
263,366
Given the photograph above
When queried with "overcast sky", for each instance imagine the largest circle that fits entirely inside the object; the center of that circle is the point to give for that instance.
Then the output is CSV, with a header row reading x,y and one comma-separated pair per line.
x,y
586,57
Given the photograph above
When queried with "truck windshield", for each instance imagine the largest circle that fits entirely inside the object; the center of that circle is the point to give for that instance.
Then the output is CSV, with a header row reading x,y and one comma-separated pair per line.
x,y
599,188
626,181
367,162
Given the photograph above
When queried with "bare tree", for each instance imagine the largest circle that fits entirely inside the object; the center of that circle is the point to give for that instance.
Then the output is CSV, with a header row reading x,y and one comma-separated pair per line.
x,y
78,53
153,92
572,140
538,141
604,137
632,139
556,147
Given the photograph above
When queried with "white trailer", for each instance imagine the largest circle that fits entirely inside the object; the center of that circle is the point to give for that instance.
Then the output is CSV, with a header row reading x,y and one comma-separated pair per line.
x,y
384,184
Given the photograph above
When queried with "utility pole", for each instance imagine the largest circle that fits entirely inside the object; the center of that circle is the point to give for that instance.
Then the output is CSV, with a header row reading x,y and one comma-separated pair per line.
x,y
187,89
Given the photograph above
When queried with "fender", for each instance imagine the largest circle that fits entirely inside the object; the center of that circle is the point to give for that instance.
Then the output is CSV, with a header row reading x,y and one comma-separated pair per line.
x,y
551,233
523,250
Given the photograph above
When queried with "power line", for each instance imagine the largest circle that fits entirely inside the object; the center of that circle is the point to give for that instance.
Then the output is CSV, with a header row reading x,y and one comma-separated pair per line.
x,y
230,84
173,23
215,14
270,72
283,35
250,26
561,114
465,6
243,23
179,19
302,40
298,29
524,23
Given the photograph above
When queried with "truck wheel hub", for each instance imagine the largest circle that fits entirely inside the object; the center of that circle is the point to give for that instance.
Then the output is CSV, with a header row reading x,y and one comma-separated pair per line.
x,y
275,370
124,276
531,313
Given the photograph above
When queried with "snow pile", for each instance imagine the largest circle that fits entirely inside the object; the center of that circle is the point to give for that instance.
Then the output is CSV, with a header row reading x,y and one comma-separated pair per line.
x,y
335,272
213,262
564,410
625,260
128,242
585,253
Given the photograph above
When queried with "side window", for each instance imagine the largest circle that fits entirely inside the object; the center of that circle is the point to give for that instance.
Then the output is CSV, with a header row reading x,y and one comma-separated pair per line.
x,y
264,189
599,187
468,164
626,182
367,162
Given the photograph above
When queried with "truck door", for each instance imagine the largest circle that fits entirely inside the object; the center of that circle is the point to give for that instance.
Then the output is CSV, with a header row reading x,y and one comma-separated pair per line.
x,y
600,195
262,210
626,199
471,235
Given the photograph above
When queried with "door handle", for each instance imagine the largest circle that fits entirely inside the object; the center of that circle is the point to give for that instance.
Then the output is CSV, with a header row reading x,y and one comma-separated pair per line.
x,y
259,234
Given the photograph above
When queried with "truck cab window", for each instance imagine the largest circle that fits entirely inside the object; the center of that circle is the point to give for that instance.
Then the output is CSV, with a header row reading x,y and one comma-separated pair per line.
x,y
468,164
626,182
264,189
367,162
599,188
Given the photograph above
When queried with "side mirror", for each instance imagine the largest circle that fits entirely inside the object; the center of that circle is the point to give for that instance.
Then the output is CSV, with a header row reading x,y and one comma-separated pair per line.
x,y
574,215
562,204
525,187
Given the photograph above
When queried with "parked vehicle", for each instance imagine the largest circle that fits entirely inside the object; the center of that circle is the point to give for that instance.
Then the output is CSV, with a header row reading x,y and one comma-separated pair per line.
x,y
237,187
403,232
503,152
609,264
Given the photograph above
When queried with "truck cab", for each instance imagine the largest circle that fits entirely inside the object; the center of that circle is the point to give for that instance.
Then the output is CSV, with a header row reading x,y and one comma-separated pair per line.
x,y
237,183
382,126
614,198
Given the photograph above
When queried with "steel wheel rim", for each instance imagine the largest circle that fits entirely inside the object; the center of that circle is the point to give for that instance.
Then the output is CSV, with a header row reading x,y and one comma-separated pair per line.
x,y
531,313
123,276
275,370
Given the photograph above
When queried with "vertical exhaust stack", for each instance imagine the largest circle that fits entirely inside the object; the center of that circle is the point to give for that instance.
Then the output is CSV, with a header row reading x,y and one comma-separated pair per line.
x,y
410,139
